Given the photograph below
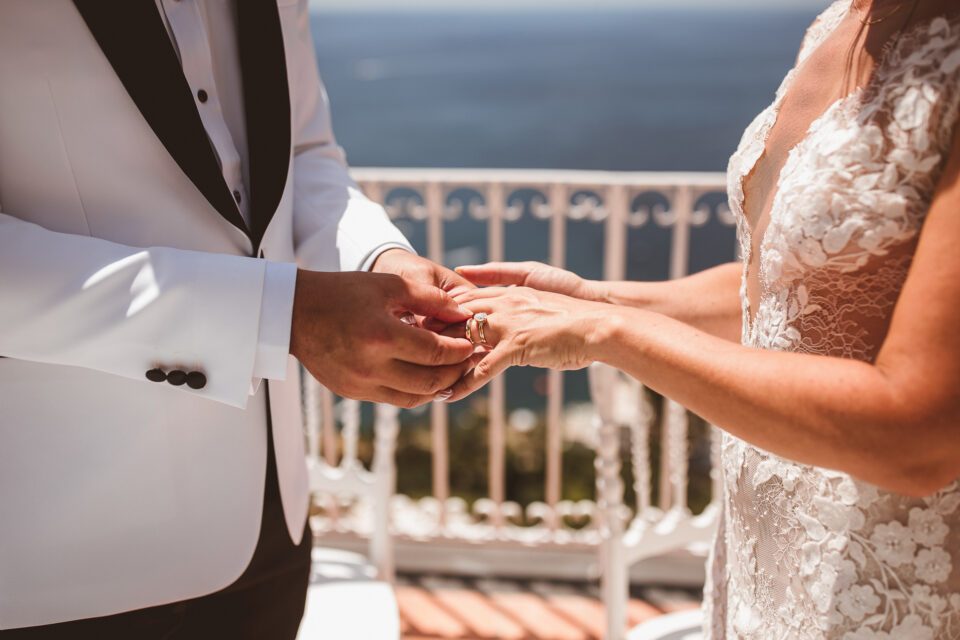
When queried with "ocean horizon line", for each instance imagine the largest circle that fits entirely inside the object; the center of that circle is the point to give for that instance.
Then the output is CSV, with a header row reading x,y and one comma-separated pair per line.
x,y
570,7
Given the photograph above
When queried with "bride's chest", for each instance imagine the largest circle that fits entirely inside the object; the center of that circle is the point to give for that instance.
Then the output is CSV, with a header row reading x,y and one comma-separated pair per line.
x,y
813,89
850,186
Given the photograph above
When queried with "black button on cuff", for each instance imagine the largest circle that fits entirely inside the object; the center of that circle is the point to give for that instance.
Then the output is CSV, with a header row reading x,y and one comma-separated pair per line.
x,y
202,95
156,375
177,377
196,380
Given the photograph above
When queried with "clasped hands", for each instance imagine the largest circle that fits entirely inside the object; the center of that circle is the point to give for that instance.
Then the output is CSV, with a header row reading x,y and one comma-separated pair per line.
x,y
397,334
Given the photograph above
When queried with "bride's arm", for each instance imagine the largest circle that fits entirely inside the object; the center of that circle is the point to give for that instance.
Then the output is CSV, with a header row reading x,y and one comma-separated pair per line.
x,y
895,423
708,300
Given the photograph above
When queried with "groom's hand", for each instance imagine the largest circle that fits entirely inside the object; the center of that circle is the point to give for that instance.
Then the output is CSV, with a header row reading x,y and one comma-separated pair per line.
x,y
410,266
348,331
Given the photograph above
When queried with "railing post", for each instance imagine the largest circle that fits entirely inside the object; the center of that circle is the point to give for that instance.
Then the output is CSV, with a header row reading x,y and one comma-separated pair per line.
x,y
496,201
673,429
640,450
716,473
614,584
557,204
328,429
386,427
615,249
439,416
311,416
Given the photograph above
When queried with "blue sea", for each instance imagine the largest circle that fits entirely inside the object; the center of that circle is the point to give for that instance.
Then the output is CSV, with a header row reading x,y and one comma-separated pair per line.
x,y
652,90
647,89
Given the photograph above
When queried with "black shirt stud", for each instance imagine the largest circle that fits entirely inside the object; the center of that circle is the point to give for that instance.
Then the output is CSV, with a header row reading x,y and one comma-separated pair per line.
x,y
156,375
177,377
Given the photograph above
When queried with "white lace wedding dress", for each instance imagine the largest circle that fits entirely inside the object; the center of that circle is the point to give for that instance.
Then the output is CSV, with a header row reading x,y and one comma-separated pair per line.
x,y
805,552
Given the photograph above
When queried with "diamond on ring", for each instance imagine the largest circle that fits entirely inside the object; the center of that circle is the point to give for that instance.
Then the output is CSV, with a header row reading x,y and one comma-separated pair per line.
x,y
481,319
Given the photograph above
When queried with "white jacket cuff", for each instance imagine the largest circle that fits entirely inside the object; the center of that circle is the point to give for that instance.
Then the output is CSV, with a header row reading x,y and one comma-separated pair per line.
x,y
276,315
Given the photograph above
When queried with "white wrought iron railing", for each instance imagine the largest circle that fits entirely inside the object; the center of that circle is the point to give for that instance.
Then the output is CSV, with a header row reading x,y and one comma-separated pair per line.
x,y
553,537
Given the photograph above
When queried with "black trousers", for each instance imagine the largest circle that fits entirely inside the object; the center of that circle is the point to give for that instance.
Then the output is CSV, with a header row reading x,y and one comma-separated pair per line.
x,y
265,602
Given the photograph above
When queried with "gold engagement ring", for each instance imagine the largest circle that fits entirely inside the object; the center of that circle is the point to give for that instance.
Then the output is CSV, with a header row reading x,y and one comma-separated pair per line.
x,y
481,319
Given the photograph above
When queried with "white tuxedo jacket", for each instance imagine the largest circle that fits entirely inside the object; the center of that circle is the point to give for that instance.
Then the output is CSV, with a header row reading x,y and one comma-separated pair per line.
x,y
123,251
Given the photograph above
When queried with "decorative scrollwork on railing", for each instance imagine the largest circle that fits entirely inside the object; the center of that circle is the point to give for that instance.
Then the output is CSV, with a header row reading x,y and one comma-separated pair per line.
x,y
702,209
712,204
726,216
523,200
587,204
646,205
465,201
405,202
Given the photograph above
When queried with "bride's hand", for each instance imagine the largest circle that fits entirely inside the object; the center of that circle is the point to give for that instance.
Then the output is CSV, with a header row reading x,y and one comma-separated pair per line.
x,y
535,275
527,327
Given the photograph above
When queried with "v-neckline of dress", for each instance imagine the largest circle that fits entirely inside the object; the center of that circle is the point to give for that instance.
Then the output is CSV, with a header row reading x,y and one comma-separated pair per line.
x,y
772,116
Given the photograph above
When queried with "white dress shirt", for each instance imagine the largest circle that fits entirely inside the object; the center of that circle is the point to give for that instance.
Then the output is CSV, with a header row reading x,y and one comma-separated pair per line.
x,y
204,32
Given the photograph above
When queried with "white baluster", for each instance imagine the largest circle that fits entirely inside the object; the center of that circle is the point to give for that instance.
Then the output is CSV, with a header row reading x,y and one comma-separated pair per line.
x,y
311,415
497,470
614,580
350,416
676,424
682,211
716,472
386,427
439,415
615,249
554,449
640,450
328,426
329,450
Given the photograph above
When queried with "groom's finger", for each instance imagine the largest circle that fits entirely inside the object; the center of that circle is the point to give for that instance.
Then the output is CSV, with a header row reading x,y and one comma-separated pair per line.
x,y
419,346
423,380
495,273
432,302
492,365
386,395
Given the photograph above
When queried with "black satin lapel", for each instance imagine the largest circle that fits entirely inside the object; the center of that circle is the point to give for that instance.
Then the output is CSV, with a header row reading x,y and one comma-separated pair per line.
x,y
132,35
266,98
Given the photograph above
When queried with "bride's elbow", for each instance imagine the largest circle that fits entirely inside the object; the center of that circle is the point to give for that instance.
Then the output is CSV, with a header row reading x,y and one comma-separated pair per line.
x,y
923,457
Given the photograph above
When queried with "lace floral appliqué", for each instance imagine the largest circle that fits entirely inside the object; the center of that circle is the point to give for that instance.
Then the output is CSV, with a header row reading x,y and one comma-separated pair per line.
x,y
805,552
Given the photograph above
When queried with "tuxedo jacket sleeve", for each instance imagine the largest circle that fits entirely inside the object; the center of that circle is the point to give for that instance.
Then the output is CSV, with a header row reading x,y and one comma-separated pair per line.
x,y
83,301
335,226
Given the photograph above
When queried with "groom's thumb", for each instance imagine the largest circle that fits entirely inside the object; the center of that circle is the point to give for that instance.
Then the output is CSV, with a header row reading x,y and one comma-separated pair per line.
x,y
432,302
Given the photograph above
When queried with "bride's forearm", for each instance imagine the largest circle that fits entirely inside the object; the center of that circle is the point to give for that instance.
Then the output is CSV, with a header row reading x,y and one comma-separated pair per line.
x,y
708,300
831,412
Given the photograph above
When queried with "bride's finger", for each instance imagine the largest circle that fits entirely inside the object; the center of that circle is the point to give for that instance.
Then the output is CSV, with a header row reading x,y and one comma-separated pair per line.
x,y
480,294
495,273
495,363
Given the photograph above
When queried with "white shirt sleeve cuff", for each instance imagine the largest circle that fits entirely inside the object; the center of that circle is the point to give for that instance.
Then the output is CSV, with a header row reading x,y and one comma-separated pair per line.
x,y
367,263
276,315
